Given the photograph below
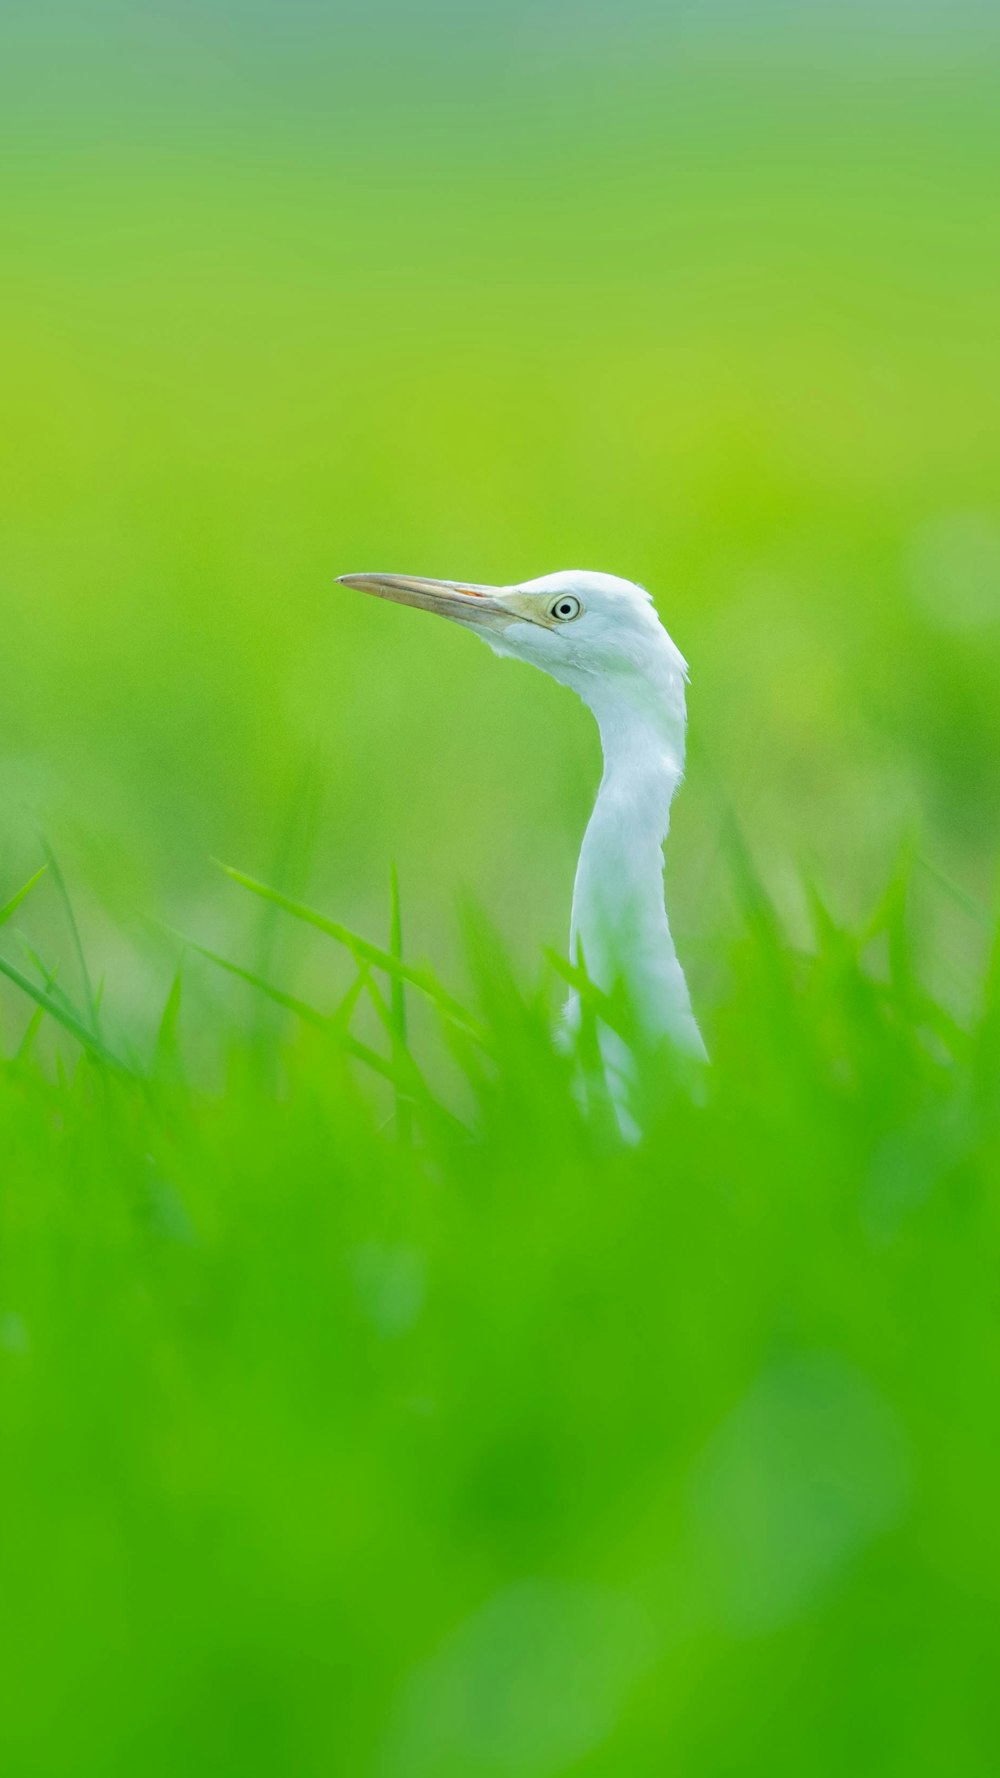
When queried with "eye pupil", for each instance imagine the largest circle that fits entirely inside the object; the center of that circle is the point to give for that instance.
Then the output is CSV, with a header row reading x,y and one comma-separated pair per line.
x,y
565,608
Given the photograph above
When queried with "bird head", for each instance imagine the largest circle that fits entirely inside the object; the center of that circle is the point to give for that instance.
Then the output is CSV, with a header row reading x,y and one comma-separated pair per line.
x,y
594,632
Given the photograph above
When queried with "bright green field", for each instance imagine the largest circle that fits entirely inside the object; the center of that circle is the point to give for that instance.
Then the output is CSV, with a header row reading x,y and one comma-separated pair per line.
x,y
411,1427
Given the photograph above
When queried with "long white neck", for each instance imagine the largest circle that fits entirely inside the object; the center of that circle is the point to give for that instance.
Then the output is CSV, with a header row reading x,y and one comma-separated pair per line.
x,y
619,921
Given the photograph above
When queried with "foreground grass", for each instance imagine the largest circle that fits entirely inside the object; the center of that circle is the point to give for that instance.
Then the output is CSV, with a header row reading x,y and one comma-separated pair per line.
x,y
350,1427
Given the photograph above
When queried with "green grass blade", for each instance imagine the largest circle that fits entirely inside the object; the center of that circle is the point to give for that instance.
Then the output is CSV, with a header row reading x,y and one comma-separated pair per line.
x,y
961,897
167,1034
9,907
397,1005
310,1015
168,1052
64,1016
386,1018
48,973
603,1005
27,1042
345,1011
397,983
64,895
362,949
411,1089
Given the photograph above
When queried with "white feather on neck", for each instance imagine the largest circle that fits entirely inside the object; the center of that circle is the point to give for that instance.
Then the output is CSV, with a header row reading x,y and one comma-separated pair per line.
x,y
619,920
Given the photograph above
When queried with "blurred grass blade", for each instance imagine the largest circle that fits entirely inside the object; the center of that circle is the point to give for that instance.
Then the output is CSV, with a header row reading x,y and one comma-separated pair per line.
x,y
956,893
64,895
987,1042
362,949
397,1005
386,1018
600,1004
756,902
167,1034
331,1027
32,1029
411,1089
168,1050
397,985
344,1013
301,1008
48,973
64,1016
9,907
295,844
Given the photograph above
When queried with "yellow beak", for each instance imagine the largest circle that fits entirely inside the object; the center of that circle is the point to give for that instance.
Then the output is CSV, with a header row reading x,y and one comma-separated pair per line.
x,y
478,606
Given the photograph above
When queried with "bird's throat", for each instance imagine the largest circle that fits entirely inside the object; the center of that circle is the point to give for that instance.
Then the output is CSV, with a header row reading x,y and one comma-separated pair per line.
x,y
619,923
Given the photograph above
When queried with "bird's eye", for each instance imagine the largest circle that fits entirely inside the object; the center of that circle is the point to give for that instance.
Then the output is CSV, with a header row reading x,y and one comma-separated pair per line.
x,y
565,608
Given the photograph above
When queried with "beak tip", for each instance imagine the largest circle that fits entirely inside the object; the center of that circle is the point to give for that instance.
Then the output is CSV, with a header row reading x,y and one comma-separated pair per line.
x,y
448,598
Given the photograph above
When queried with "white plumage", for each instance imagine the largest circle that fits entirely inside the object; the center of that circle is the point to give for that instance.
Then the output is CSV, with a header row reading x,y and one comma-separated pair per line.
x,y
602,637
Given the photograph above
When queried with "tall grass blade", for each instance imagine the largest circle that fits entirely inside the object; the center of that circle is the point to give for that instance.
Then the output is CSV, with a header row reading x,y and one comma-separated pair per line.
x,y
341,1018
310,1015
397,1004
363,950
961,897
31,1031
10,907
599,1004
168,1051
415,1088
64,895
64,1016
397,984
48,973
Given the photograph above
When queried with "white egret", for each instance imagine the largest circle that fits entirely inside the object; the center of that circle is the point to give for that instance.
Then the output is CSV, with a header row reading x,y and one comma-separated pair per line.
x,y
602,637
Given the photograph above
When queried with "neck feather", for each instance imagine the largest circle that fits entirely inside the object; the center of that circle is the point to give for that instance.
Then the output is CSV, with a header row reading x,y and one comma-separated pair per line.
x,y
619,920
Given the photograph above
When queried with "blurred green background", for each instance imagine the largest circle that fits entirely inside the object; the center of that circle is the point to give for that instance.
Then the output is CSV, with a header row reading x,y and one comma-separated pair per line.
x,y
701,295
508,1454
